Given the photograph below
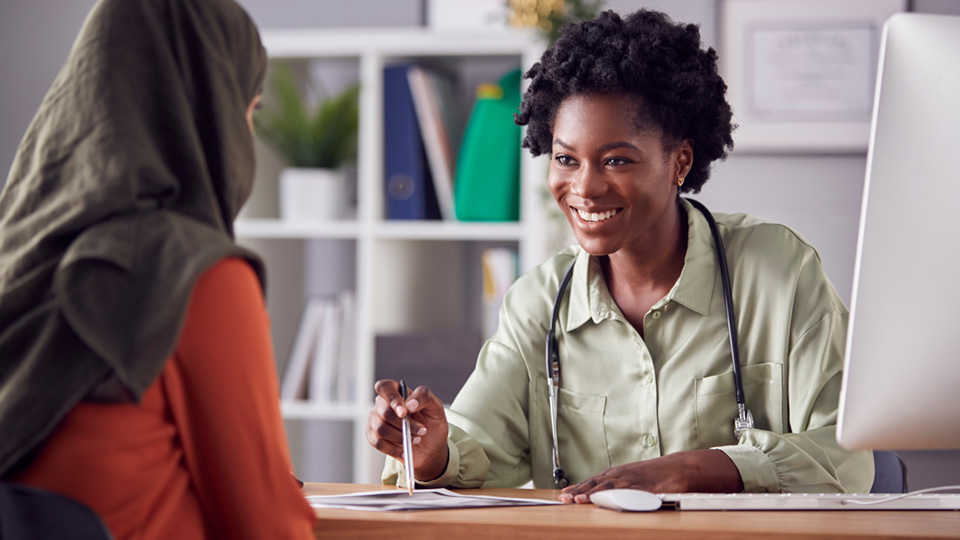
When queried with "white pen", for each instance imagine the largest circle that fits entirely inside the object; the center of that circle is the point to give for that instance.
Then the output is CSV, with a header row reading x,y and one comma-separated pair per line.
x,y
407,441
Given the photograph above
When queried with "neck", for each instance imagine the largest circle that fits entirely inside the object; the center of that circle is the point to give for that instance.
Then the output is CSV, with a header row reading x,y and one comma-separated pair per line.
x,y
652,265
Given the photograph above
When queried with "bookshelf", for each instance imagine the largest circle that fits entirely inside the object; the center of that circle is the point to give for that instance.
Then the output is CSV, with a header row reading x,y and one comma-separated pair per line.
x,y
407,276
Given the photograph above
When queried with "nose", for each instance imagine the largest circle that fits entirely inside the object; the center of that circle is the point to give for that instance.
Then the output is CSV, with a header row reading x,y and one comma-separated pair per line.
x,y
587,182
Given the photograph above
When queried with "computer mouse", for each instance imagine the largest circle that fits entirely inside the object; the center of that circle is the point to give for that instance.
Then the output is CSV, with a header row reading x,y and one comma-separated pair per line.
x,y
626,500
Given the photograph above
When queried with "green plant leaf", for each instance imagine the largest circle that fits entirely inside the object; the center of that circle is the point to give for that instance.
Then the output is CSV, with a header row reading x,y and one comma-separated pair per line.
x,y
325,137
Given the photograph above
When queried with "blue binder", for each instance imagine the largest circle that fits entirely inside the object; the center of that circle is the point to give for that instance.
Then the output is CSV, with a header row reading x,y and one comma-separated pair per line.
x,y
408,187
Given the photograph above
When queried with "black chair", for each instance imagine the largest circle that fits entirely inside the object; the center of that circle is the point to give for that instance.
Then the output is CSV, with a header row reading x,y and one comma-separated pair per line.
x,y
891,473
35,514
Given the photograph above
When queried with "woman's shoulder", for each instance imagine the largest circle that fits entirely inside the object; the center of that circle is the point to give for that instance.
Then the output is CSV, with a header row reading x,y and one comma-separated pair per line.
x,y
749,236
228,289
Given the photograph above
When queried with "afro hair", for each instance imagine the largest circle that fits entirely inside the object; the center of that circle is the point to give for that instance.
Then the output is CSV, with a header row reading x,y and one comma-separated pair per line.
x,y
648,57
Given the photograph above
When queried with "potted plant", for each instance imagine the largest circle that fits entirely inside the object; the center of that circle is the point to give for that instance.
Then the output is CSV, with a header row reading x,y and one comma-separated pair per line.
x,y
317,143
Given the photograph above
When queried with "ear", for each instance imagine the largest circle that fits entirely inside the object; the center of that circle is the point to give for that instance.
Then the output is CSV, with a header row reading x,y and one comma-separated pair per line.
x,y
683,158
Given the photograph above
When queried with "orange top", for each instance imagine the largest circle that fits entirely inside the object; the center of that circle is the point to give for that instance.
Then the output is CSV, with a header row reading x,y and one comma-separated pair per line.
x,y
204,454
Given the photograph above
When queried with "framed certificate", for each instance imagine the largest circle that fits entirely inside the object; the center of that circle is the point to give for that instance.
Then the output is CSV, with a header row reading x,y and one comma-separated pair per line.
x,y
801,73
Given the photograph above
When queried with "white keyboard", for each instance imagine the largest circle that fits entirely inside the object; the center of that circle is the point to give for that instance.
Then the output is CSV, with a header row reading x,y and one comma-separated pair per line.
x,y
809,501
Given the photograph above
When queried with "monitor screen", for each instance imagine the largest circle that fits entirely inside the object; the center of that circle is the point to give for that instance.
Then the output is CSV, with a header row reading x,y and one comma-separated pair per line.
x,y
901,384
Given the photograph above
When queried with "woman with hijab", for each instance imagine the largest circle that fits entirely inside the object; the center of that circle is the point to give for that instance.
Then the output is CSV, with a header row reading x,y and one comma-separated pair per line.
x,y
136,369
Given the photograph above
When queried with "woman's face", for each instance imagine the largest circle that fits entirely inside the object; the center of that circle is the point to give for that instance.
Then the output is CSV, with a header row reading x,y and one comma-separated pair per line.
x,y
616,185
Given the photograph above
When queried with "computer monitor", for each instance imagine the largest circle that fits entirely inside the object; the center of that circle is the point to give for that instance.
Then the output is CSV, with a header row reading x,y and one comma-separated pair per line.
x,y
901,381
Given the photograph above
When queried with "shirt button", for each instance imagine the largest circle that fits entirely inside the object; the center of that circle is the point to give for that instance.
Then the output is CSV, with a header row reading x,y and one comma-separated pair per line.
x,y
649,440
648,379
656,315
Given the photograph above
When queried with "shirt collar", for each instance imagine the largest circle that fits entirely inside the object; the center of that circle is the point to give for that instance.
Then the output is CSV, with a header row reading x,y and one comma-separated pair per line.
x,y
589,298
695,287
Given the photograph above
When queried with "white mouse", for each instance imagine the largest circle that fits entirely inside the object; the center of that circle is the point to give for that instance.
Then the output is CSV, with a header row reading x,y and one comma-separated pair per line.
x,y
626,500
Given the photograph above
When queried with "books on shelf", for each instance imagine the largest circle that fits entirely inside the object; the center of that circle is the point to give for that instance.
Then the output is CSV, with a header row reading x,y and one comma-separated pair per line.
x,y
346,355
433,101
321,365
422,128
323,369
500,270
408,186
294,382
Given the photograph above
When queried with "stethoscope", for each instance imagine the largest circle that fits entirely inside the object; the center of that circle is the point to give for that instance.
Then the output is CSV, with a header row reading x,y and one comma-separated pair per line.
x,y
742,422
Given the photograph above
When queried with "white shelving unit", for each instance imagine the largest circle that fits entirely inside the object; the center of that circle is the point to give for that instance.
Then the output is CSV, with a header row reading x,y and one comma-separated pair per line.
x,y
407,275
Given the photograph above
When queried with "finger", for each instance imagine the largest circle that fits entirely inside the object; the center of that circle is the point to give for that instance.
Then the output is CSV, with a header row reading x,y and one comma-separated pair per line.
x,y
385,430
582,486
423,400
386,412
417,429
389,415
390,391
570,493
584,497
382,438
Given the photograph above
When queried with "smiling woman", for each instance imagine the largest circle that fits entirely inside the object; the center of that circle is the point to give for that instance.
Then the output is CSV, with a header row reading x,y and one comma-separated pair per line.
x,y
632,112
618,186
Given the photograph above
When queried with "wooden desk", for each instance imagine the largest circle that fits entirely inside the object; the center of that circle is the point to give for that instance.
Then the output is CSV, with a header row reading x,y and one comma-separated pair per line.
x,y
587,522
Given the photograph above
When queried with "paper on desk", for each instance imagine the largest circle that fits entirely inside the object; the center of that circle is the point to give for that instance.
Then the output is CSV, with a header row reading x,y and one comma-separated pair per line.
x,y
422,499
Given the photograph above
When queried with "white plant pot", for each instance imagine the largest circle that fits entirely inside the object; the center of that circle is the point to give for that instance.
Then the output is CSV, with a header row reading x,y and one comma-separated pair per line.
x,y
313,194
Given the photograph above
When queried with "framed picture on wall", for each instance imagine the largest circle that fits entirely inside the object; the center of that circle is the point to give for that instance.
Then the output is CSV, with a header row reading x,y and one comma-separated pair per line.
x,y
801,73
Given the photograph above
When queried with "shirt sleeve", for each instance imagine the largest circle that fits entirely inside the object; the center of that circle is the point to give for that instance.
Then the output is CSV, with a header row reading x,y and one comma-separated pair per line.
x,y
807,457
488,441
222,387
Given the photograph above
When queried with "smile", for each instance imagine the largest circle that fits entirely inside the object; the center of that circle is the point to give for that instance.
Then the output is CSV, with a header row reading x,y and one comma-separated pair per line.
x,y
594,216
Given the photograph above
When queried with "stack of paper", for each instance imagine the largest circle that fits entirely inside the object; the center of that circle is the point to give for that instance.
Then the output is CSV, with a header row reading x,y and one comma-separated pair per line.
x,y
422,499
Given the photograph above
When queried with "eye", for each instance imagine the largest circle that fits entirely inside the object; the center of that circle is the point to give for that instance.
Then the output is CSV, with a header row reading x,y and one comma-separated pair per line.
x,y
616,161
564,160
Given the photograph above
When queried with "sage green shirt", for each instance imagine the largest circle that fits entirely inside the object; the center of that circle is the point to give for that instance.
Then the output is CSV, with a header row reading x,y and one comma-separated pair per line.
x,y
626,398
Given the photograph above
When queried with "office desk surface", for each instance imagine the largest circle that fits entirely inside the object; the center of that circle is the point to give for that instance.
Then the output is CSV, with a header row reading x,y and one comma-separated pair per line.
x,y
585,522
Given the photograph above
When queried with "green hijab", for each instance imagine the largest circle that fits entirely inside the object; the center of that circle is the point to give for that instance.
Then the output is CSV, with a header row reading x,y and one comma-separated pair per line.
x,y
123,191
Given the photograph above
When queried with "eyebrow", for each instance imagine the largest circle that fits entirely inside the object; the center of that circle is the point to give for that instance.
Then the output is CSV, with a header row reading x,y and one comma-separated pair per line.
x,y
602,148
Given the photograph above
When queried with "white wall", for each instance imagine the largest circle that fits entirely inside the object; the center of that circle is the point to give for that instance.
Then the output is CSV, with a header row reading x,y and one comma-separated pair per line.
x,y
816,194
35,36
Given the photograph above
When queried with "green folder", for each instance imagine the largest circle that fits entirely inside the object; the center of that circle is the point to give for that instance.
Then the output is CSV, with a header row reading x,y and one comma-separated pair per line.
x,y
487,186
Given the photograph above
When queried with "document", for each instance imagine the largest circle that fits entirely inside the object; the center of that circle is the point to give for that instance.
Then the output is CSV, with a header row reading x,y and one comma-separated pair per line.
x,y
422,499
812,73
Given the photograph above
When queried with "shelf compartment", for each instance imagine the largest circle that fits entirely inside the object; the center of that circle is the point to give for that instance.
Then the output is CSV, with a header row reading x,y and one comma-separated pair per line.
x,y
278,228
447,230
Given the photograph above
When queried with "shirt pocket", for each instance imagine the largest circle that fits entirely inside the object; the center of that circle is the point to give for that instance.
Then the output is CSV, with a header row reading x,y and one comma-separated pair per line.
x,y
580,430
716,399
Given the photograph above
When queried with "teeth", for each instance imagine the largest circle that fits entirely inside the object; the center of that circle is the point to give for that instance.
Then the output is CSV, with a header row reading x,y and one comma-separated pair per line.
x,y
593,216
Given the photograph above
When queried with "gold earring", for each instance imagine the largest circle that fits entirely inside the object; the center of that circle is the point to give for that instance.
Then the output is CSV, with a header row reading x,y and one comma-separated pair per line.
x,y
679,181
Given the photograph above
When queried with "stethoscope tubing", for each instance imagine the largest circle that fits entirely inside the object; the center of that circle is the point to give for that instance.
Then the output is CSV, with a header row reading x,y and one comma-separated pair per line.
x,y
727,298
744,419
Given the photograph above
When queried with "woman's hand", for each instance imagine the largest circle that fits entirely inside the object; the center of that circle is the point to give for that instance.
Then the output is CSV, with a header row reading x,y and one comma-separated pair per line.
x,y
428,426
704,471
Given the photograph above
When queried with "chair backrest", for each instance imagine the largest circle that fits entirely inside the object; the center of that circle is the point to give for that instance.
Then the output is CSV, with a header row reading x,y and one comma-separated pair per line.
x,y
30,513
891,473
